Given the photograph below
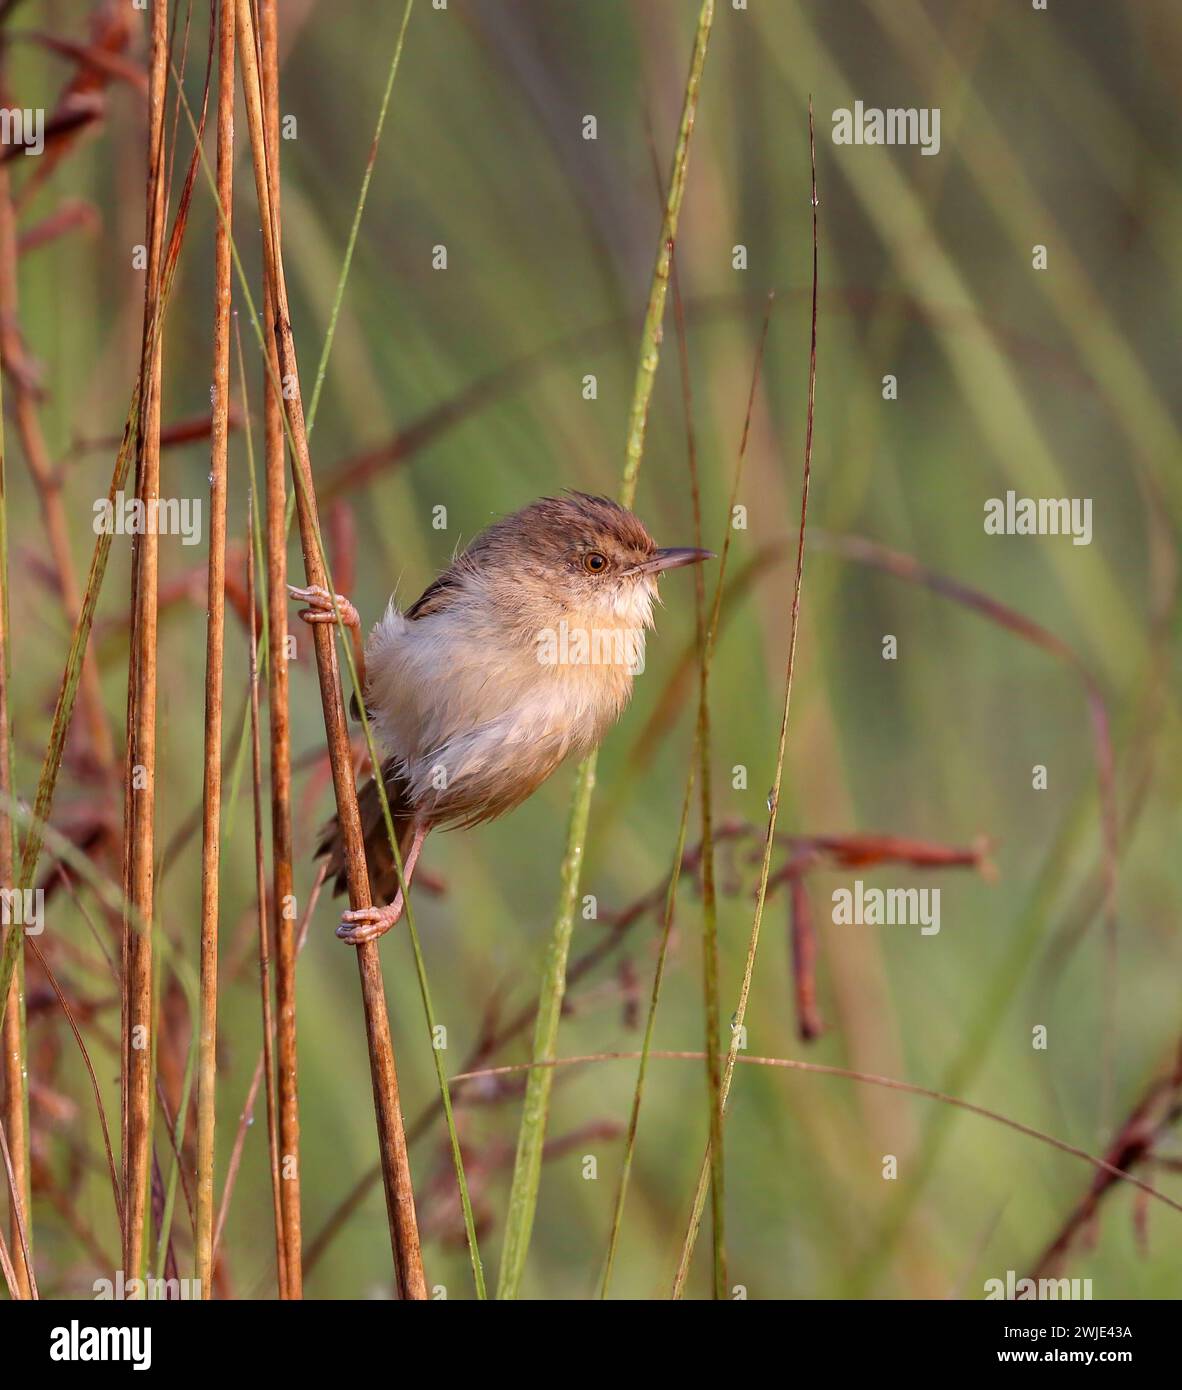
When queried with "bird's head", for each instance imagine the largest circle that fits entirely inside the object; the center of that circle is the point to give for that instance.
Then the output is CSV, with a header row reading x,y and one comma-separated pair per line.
x,y
583,555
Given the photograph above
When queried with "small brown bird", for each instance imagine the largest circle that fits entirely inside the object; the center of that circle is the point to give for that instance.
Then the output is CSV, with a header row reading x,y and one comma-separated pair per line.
x,y
522,652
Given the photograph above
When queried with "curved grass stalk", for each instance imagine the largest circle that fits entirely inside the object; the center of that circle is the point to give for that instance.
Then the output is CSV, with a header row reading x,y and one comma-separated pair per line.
x,y
889,1083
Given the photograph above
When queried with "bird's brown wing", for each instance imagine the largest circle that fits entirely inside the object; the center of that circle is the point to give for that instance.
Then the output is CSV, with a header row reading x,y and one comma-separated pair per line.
x,y
383,877
436,596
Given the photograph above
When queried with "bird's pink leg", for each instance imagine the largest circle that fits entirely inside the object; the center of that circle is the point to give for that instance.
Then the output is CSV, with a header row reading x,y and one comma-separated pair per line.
x,y
368,923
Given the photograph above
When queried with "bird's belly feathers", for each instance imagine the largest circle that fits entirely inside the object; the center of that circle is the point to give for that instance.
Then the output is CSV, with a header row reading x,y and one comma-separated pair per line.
x,y
475,718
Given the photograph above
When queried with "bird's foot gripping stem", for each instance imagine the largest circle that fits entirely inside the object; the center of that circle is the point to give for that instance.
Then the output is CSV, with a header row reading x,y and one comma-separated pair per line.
x,y
320,607
368,923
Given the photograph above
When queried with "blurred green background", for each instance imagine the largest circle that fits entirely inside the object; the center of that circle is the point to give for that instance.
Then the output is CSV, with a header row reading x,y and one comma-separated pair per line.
x,y
1059,129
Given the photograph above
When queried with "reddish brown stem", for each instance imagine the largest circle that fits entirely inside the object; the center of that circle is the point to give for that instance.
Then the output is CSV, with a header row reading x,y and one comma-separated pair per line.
x,y
278,708
282,1258
215,659
140,767
12,1073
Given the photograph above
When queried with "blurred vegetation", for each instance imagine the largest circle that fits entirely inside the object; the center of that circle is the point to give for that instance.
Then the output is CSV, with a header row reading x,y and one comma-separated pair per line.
x,y
1059,129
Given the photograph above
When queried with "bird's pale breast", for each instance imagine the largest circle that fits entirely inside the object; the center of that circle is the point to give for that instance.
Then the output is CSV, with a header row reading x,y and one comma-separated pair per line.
x,y
475,709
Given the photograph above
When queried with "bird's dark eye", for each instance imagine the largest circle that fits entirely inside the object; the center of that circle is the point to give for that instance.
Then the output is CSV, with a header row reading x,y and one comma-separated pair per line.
x,y
594,562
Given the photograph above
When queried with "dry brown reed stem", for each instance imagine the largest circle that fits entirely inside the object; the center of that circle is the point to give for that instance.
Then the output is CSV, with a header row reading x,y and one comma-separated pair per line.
x,y
12,1040
140,769
278,708
215,657
256,764
391,1134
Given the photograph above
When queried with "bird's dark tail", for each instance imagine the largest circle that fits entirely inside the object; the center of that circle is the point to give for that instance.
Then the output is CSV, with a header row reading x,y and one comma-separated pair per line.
x,y
383,877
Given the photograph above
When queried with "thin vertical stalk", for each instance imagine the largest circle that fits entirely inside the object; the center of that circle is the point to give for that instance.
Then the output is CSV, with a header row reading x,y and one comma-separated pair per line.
x,y
531,1138
256,760
211,812
283,877
774,799
399,1190
710,987
12,1039
140,792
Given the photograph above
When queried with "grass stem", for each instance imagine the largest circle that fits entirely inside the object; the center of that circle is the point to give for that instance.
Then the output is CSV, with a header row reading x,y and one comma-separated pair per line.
x,y
215,660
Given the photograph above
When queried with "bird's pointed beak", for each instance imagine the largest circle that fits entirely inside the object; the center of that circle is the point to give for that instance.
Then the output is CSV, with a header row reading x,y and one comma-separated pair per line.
x,y
673,558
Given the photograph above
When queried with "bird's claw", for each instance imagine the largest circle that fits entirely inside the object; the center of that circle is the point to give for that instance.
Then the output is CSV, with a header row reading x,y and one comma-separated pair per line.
x,y
321,608
364,924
